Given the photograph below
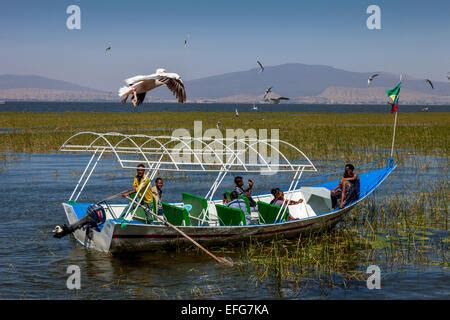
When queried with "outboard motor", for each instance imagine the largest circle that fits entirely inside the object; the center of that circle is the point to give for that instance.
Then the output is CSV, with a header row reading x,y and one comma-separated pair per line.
x,y
95,215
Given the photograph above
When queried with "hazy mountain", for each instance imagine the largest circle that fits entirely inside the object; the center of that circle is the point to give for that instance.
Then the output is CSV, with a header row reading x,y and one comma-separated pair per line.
x,y
300,82
309,83
32,87
9,81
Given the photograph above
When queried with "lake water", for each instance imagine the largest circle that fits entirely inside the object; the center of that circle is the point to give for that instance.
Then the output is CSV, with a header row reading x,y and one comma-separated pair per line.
x,y
33,264
217,107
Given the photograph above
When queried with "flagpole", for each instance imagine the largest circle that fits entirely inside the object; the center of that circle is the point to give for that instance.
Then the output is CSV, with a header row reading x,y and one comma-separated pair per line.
x,y
395,125
393,134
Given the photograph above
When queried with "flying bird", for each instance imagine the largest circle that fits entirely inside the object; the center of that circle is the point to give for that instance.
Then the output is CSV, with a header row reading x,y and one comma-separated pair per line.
x,y
277,99
269,96
268,90
109,48
236,113
254,107
186,40
260,66
218,125
369,81
448,76
430,83
138,86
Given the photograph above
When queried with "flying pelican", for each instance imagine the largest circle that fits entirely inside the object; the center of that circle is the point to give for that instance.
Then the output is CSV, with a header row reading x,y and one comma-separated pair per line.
x,y
430,83
254,107
236,113
369,81
261,66
138,86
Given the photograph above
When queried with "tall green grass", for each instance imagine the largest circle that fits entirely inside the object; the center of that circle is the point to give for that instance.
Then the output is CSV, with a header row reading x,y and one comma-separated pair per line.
x,y
319,135
393,233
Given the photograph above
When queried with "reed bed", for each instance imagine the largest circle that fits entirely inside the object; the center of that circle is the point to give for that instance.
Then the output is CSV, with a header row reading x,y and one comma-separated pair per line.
x,y
393,233
320,135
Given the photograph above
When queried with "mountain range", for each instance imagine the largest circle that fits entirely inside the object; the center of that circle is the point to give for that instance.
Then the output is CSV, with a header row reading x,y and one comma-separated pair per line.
x,y
302,83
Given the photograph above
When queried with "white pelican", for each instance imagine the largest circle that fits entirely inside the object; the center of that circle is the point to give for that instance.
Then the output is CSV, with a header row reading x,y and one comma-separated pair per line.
x,y
138,86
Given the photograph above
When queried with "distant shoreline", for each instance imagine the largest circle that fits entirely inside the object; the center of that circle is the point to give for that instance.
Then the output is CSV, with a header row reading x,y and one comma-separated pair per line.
x,y
51,106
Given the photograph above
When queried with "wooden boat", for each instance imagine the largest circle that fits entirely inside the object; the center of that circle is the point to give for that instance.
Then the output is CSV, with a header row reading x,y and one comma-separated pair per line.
x,y
203,218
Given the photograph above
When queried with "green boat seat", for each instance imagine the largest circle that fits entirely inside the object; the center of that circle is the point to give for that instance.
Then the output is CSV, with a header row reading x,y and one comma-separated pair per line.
x,y
199,211
178,216
268,213
230,216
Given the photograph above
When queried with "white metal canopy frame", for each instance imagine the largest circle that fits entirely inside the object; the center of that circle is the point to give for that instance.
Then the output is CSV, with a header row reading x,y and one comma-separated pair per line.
x,y
188,154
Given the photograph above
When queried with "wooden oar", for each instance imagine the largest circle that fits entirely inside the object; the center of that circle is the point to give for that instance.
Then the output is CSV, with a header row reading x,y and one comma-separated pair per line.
x,y
218,259
113,196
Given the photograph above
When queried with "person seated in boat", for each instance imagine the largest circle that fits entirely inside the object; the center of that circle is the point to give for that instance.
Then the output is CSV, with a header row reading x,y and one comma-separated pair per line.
x,y
141,184
279,199
274,193
241,190
237,203
348,188
158,194
225,198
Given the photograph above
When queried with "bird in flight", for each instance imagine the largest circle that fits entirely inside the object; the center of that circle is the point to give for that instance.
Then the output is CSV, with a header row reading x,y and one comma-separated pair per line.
x,y
138,86
268,90
269,96
369,81
260,66
430,83
186,40
236,113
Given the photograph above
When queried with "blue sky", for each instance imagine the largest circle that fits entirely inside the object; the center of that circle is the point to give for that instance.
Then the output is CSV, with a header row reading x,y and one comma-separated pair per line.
x,y
224,36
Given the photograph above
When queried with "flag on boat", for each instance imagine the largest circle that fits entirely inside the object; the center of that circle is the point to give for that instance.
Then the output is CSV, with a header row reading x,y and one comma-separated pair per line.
x,y
394,95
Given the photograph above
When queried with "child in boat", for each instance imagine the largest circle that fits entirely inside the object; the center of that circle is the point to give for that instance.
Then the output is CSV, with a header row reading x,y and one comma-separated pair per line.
x,y
348,188
238,204
239,188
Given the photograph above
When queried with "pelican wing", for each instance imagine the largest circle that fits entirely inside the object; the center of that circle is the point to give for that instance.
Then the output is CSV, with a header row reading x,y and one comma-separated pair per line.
x,y
135,79
430,83
176,86
140,98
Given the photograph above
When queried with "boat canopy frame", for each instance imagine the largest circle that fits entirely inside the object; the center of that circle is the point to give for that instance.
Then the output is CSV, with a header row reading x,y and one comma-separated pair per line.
x,y
157,152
